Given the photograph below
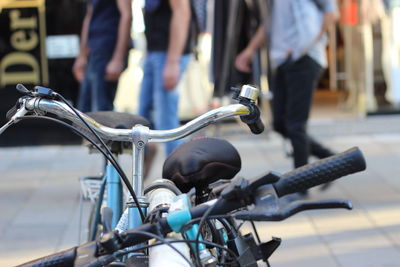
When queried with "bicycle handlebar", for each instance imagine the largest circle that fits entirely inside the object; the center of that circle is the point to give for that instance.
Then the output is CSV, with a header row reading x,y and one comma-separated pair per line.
x,y
41,105
42,101
254,120
63,258
320,172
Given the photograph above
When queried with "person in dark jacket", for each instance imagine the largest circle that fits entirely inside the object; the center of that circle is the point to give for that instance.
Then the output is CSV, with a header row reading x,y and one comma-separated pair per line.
x,y
105,41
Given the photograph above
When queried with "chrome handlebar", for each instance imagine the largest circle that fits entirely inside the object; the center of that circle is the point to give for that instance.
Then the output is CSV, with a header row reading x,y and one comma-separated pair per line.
x,y
42,101
40,106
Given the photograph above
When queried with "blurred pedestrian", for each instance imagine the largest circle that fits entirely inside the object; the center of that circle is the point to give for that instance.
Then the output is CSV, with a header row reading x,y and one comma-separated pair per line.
x,y
295,33
168,52
105,41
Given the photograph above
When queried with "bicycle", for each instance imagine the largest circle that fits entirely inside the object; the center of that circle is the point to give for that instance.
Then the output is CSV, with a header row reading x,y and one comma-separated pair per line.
x,y
43,100
140,135
262,193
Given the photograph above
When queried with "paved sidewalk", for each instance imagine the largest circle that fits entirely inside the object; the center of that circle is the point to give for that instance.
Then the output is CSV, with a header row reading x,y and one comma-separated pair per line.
x,y
39,197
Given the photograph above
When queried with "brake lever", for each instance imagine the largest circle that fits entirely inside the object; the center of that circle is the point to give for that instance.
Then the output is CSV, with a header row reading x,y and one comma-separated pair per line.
x,y
241,188
23,90
22,111
260,213
267,179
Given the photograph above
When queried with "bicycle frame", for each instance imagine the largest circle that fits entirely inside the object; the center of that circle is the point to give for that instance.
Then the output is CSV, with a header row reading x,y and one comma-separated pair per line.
x,y
139,136
114,193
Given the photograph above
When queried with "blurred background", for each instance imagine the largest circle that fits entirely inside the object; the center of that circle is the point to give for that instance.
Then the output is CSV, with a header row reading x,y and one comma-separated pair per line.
x,y
363,77
357,103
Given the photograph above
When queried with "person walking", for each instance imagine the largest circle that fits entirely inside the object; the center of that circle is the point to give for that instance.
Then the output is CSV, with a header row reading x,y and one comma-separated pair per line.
x,y
295,32
168,53
105,41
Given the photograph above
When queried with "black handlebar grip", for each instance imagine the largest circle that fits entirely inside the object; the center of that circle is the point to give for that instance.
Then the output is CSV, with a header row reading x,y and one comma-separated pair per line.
x,y
256,127
64,258
11,113
253,120
321,172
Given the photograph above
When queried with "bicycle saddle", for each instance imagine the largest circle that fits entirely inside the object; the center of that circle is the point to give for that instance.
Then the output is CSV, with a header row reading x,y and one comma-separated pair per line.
x,y
119,120
201,161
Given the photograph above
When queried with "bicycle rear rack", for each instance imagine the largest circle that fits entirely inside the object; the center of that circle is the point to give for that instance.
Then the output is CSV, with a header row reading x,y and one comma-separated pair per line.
x,y
90,188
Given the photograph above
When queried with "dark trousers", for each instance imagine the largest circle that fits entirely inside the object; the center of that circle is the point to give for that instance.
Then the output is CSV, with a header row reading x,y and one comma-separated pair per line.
x,y
96,93
293,85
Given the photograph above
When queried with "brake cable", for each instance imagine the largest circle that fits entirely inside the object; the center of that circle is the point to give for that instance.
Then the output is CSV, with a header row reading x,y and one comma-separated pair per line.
x,y
113,161
49,93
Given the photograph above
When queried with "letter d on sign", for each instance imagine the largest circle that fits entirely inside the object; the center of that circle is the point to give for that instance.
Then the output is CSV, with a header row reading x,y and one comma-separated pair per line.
x,y
22,59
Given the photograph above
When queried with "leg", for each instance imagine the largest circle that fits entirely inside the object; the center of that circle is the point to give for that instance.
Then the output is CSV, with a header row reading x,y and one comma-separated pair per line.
x,y
318,150
103,92
301,78
146,90
278,104
166,102
84,92
106,95
145,109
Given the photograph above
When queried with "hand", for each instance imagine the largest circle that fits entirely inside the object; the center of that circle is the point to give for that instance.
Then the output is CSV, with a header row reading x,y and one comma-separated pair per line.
x,y
78,69
243,61
171,75
114,69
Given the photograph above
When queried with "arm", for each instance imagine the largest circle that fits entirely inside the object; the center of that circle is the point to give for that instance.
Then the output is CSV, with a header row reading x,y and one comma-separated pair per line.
x,y
243,60
78,69
331,15
178,33
116,65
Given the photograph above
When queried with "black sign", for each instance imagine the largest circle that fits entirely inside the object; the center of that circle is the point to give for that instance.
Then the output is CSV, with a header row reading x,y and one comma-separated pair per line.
x,y
25,25
23,59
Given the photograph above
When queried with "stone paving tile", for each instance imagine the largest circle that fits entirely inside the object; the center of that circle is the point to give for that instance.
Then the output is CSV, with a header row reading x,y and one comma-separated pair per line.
x,y
301,245
24,243
354,126
77,220
386,219
353,236
364,248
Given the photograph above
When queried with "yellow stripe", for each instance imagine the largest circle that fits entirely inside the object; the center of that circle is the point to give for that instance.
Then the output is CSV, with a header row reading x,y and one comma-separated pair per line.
x,y
42,32
242,110
20,3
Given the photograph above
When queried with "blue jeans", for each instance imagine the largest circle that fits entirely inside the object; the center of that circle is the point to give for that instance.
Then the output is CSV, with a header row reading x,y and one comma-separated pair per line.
x,y
96,93
157,104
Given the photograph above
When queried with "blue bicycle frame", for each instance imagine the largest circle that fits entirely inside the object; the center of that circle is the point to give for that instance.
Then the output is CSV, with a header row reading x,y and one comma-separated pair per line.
x,y
114,194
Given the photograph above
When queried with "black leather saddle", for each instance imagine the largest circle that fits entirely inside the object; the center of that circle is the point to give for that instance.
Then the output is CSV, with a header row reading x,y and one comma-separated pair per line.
x,y
118,120
201,161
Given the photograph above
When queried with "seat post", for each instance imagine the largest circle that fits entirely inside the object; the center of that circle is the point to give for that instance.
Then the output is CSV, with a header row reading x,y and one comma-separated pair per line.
x,y
202,192
140,138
